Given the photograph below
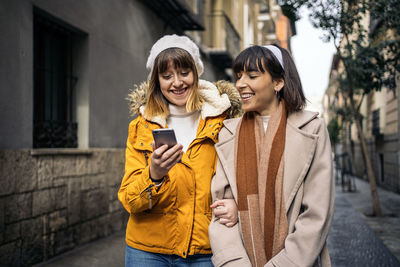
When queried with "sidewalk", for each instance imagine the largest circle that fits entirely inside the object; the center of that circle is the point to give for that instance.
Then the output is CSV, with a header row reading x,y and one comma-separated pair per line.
x,y
351,240
106,252
354,239
386,228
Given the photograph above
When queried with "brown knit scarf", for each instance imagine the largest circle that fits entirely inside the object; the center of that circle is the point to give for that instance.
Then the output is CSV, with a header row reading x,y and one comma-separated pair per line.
x,y
260,162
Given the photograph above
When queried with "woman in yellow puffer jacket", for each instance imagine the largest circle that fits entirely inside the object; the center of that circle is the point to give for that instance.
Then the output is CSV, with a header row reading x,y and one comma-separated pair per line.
x,y
166,190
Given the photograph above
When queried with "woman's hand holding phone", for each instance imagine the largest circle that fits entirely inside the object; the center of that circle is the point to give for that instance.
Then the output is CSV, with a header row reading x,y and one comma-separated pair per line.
x,y
163,159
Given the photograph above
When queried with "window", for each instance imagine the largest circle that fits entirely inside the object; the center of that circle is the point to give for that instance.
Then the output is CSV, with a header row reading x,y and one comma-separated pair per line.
x,y
54,96
264,7
375,122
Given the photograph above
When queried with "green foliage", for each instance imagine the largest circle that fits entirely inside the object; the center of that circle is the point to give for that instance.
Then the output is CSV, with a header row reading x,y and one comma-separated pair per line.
x,y
367,69
386,11
334,130
368,64
290,12
342,112
385,15
370,56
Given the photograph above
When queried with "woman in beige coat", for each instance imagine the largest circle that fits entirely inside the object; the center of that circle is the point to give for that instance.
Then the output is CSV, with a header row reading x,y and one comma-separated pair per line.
x,y
282,176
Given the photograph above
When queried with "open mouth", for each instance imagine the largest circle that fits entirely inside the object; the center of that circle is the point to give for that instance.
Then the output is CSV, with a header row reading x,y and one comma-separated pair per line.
x,y
246,96
179,92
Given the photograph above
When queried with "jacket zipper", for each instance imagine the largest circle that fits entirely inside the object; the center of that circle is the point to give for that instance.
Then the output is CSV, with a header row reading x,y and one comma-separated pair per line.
x,y
148,189
149,197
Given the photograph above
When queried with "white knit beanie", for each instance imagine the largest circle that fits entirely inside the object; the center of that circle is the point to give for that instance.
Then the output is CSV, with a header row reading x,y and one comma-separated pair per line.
x,y
169,41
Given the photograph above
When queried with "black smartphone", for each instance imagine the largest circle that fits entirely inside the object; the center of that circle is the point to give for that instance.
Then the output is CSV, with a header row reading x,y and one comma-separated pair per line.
x,y
164,137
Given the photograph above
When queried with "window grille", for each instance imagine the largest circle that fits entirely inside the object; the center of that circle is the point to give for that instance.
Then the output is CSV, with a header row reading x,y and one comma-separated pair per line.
x,y
54,105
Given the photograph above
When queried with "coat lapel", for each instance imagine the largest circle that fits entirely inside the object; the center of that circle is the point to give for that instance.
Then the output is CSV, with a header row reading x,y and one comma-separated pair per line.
x,y
226,153
299,151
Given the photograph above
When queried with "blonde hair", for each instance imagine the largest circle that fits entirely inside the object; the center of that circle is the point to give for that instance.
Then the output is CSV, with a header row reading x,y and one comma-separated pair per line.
x,y
156,103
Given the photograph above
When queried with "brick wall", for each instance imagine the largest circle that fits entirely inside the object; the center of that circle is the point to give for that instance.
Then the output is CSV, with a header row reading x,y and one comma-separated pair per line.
x,y
52,201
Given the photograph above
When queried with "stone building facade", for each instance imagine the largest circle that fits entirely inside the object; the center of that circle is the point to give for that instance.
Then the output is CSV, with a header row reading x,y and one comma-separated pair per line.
x,y
66,69
53,201
380,112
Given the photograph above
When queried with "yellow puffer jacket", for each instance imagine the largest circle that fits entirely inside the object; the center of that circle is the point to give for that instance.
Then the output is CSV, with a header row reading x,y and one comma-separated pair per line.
x,y
174,218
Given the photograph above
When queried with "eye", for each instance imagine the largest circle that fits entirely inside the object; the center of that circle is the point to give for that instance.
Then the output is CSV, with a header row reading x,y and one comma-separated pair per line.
x,y
185,72
166,76
238,75
253,74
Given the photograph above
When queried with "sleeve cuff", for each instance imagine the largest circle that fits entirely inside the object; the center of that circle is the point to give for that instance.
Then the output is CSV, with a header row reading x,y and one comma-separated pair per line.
x,y
281,259
225,258
157,182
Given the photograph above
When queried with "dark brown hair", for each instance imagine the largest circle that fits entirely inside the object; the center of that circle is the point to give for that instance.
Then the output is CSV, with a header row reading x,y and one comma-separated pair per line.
x,y
258,58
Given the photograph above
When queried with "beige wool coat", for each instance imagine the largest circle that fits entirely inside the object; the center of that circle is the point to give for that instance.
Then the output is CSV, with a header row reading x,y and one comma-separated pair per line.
x,y
308,190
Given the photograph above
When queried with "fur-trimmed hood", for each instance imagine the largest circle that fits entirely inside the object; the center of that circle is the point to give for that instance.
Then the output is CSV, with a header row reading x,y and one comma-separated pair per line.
x,y
217,97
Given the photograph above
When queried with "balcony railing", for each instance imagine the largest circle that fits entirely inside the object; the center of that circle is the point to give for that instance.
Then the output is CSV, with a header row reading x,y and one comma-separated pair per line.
x,y
55,134
176,14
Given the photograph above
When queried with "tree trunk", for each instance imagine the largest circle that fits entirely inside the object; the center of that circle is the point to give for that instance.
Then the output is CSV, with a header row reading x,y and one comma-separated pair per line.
x,y
370,173
347,158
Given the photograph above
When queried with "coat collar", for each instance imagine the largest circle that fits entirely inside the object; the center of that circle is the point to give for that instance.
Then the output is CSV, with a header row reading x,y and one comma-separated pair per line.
x,y
297,120
214,103
301,118
299,150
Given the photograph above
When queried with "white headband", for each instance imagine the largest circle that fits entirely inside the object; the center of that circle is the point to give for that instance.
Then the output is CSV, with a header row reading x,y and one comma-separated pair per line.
x,y
277,53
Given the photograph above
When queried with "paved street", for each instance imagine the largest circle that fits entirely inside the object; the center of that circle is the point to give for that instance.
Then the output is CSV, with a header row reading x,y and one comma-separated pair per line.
x,y
106,252
352,242
387,228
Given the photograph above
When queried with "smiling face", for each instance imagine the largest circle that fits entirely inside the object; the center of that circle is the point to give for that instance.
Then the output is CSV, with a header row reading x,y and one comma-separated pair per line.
x,y
259,75
176,84
257,91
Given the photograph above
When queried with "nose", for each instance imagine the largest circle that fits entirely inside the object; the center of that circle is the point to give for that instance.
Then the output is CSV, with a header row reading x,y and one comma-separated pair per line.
x,y
177,82
240,84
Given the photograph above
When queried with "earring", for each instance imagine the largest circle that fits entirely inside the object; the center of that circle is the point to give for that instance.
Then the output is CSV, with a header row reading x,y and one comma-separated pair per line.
x,y
278,95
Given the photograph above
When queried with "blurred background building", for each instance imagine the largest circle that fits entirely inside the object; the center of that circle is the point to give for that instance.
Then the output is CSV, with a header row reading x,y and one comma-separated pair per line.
x,y
66,68
380,113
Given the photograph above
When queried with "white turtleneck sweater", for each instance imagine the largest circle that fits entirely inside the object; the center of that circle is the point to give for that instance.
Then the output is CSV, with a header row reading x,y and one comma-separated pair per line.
x,y
265,120
184,124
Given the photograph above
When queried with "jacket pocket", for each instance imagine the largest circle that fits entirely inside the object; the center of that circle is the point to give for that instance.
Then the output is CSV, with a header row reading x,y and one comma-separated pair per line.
x,y
153,229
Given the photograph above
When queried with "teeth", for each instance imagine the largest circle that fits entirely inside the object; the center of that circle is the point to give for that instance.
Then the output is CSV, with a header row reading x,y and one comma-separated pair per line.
x,y
178,92
247,95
